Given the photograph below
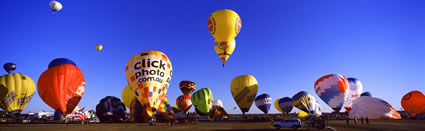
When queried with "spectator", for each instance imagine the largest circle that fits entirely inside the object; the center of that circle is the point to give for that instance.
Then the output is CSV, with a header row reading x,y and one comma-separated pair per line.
x,y
361,119
355,120
367,120
347,120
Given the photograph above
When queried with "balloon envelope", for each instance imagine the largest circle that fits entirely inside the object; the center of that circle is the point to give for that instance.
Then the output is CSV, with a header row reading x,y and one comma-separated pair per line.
x,y
366,94
60,61
184,102
372,108
138,112
165,111
263,102
16,91
202,100
110,109
304,101
9,67
413,102
187,87
244,89
55,6
333,90
127,96
99,47
61,87
218,103
149,75
355,91
283,105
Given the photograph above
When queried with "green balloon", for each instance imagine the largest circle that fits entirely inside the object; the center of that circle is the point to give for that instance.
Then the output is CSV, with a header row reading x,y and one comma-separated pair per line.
x,y
202,100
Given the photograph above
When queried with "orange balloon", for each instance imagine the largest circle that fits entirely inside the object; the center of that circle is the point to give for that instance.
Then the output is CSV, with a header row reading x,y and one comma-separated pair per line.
x,y
184,102
61,87
413,102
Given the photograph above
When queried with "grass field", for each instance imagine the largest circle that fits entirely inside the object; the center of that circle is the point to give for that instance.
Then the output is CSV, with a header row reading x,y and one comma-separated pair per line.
x,y
375,125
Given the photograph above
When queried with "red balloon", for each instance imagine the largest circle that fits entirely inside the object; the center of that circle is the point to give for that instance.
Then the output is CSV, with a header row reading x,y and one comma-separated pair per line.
x,y
184,102
61,87
413,102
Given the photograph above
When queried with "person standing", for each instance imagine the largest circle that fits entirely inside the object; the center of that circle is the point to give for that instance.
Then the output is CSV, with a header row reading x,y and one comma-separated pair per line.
x,y
361,119
367,120
347,120
355,120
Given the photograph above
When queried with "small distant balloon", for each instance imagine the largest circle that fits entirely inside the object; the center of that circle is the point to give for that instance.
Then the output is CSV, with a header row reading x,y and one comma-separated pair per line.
x,y
9,67
99,47
55,6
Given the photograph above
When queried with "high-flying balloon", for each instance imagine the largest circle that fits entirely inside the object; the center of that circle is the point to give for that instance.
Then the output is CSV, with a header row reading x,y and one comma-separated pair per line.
x,y
263,102
99,47
218,103
55,6
127,96
110,109
366,94
9,67
165,111
333,90
373,108
184,102
202,100
304,101
355,91
16,91
244,89
187,87
149,75
283,105
413,102
61,86
224,25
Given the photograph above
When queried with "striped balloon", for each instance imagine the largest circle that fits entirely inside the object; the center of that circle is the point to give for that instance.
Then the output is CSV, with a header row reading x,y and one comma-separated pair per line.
x,y
373,108
263,102
333,90
283,105
184,102
304,101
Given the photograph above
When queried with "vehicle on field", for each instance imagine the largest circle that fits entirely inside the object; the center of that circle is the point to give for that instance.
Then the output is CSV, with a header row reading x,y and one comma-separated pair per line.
x,y
288,123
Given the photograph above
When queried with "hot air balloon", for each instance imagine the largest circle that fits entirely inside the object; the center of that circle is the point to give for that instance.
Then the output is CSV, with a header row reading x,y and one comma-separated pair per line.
x,y
16,91
187,87
333,90
224,25
218,103
61,86
99,47
244,89
283,105
55,6
355,91
202,100
366,94
184,102
9,67
165,111
78,114
110,109
263,102
217,112
127,96
304,101
413,102
149,75
317,109
372,108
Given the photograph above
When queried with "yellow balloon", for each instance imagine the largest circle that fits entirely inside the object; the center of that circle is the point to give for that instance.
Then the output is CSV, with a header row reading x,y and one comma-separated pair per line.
x,y
224,25
127,96
99,47
16,91
244,89
302,114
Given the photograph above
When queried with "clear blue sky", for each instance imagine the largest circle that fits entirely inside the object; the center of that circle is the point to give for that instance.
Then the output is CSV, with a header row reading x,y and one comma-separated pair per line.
x,y
286,44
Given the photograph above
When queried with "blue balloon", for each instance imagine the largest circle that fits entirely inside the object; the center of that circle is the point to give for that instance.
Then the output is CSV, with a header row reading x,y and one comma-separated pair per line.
x,y
110,109
366,94
263,102
61,61
285,104
9,67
